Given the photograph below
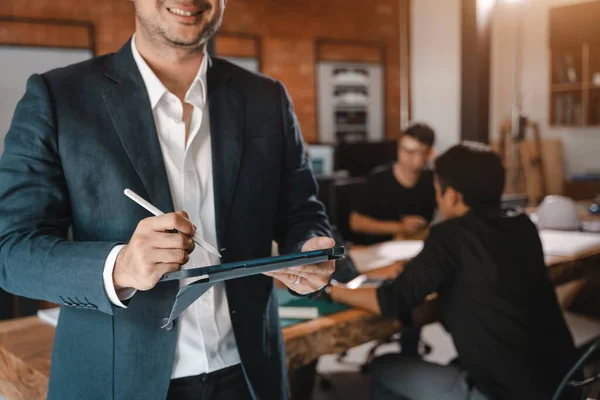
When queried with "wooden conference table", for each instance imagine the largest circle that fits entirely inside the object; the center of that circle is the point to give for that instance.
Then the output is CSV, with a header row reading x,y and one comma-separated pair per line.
x,y
26,343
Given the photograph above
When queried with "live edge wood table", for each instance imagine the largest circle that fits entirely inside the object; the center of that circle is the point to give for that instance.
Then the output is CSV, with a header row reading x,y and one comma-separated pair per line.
x,y
26,343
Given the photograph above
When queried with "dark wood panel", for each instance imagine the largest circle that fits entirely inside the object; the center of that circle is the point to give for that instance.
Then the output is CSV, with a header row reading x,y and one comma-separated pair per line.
x,y
582,190
575,24
475,74
405,70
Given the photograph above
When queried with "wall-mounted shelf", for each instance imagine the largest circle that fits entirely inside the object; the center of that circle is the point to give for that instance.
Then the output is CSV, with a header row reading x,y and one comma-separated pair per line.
x,y
566,87
575,65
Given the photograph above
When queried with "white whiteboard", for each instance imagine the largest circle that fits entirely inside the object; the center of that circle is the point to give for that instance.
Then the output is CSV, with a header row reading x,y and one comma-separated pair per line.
x,y
17,64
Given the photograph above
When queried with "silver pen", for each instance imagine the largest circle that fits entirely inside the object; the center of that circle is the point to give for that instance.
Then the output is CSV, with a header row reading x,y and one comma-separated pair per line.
x,y
155,211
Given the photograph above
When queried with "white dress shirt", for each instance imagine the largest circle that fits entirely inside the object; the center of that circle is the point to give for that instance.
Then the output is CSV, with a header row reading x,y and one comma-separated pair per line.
x,y
205,340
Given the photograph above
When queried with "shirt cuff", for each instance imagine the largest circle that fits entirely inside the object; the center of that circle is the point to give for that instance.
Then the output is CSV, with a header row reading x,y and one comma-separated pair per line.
x,y
311,295
115,297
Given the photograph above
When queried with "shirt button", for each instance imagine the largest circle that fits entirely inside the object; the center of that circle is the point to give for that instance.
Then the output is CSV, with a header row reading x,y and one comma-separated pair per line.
x,y
213,354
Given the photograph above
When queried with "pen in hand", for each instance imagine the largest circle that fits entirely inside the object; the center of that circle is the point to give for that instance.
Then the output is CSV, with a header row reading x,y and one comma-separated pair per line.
x,y
155,211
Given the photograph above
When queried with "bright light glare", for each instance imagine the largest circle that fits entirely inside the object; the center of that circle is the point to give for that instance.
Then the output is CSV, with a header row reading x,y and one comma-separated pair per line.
x,y
484,7
486,4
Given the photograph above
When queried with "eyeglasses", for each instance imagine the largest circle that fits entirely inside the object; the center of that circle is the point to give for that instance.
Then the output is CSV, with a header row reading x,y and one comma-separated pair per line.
x,y
415,152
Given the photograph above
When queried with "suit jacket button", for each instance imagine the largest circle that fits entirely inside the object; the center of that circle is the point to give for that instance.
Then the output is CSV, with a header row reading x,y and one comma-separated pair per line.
x,y
166,324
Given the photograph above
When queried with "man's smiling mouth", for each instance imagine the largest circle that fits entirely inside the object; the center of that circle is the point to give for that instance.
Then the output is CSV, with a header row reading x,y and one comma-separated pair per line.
x,y
183,13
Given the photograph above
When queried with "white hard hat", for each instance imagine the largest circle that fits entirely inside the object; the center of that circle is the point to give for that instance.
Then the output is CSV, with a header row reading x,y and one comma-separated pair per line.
x,y
558,212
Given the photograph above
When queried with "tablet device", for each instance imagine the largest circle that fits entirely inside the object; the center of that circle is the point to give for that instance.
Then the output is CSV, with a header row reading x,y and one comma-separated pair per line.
x,y
217,273
267,264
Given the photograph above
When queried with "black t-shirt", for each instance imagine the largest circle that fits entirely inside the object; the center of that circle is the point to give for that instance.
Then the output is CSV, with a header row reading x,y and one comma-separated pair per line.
x,y
496,300
384,198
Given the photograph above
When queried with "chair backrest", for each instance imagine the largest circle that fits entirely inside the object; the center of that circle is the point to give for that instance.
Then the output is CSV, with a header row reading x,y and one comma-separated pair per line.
x,y
346,195
327,196
567,381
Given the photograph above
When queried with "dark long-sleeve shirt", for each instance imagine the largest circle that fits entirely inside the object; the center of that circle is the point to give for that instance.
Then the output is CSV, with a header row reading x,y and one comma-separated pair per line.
x,y
496,300
384,198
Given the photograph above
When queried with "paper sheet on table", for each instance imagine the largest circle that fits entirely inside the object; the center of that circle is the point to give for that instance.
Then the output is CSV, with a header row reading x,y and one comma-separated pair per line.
x,y
561,243
384,254
287,312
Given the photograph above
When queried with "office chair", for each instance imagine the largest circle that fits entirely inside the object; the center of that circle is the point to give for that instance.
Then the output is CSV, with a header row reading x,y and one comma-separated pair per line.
x,y
585,384
347,192
424,349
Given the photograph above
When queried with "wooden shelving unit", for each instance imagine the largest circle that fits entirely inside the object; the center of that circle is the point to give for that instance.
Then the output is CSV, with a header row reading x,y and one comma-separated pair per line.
x,y
575,65
567,87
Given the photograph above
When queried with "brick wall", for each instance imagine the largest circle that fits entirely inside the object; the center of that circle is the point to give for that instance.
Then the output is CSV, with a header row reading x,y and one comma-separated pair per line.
x,y
288,31
113,19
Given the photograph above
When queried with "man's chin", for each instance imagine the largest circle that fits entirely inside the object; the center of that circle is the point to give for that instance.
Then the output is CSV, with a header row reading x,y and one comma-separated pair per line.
x,y
186,42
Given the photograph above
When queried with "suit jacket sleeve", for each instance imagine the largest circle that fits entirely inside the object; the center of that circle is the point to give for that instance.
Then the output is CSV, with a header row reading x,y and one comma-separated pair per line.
x,y
301,216
36,259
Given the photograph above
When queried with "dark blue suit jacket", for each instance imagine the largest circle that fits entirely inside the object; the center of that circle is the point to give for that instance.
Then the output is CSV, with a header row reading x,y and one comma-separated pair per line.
x,y
81,135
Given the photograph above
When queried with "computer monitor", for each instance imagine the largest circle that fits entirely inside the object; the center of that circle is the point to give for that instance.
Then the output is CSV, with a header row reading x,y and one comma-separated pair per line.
x,y
322,159
359,159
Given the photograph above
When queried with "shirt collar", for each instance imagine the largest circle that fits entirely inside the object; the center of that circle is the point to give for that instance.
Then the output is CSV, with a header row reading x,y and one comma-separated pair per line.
x,y
196,94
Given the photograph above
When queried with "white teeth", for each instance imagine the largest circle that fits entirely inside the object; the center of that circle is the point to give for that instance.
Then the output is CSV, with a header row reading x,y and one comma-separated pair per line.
x,y
181,12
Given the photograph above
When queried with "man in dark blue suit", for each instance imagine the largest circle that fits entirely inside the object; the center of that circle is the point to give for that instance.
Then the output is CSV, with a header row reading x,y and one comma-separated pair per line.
x,y
187,133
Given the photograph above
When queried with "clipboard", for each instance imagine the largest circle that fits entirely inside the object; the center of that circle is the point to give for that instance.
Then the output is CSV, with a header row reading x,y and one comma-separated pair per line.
x,y
219,273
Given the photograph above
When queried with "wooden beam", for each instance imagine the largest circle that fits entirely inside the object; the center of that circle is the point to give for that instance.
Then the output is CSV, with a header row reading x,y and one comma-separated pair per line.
x,y
404,14
475,74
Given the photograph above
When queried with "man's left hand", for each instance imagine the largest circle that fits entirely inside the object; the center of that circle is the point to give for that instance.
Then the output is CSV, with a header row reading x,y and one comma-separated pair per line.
x,y
308,278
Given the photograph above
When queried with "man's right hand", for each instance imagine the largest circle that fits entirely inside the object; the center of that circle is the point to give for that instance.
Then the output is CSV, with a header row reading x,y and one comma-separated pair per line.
x,y
412,224
154,251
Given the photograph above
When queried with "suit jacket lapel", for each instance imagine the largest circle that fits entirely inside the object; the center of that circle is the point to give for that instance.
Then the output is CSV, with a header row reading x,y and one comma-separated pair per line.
x,y
129,108
226,108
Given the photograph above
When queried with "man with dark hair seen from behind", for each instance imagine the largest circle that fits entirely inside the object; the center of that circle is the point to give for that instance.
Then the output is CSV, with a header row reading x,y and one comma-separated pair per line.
x,y
495,297
187,132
